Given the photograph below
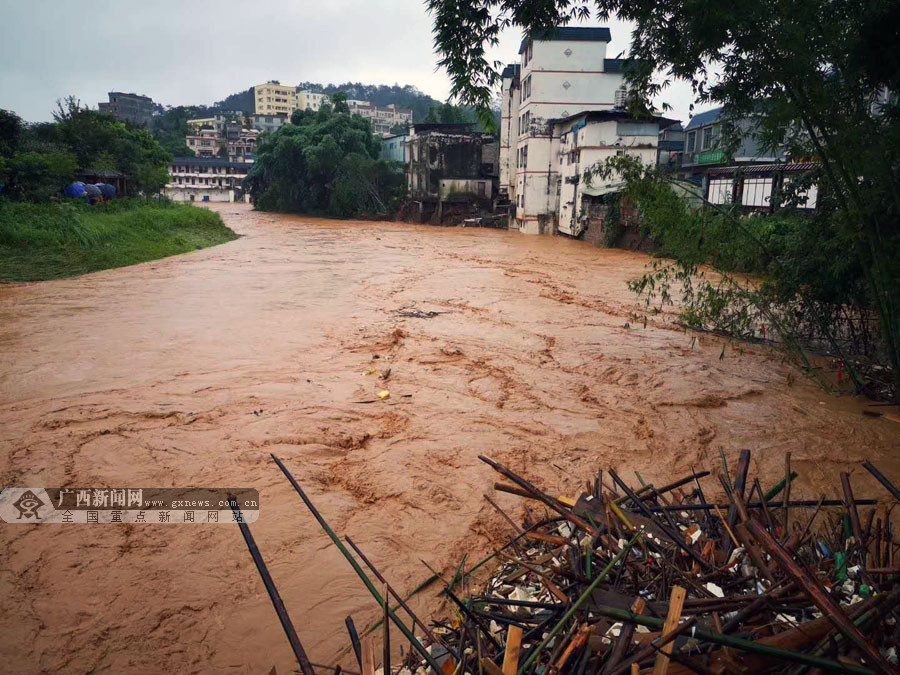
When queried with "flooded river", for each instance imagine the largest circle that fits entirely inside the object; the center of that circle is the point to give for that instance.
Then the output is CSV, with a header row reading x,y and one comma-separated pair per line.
x,y
190,371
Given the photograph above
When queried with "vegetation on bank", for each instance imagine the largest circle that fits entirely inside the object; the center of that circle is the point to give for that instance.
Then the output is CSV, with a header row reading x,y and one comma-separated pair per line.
x,y
63,239
37,161
326,162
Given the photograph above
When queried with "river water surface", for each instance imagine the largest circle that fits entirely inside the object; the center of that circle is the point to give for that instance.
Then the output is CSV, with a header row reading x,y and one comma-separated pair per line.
x,y
191,370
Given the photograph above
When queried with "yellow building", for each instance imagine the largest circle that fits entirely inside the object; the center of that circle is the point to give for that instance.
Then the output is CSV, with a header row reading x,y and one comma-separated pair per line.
x,y
273,98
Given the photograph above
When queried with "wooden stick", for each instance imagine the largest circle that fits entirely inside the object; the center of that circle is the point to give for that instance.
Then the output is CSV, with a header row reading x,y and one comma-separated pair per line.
x,y
368,655
513,648
818,595
386,645
676,604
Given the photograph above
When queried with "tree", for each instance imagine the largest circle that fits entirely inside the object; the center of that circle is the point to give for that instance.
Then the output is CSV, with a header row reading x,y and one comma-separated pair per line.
x,y
820,75
324,162
43,158
339,102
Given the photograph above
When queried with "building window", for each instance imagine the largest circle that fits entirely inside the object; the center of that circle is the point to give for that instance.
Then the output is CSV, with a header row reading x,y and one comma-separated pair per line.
x,y
707,138
720,191
757,192
691,141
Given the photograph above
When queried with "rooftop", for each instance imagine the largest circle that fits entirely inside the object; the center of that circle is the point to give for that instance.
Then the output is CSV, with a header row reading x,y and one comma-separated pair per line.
x,y
708,117
568,34
608,115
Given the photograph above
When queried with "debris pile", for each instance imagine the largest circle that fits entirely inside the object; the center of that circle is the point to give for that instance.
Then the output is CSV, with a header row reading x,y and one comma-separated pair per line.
x,y
669,579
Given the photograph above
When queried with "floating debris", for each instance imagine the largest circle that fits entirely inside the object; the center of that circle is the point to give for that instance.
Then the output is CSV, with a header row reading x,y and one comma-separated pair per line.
x,y
661,580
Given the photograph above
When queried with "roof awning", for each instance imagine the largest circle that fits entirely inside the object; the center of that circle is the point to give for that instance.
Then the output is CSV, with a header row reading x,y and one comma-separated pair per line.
x,y
600,190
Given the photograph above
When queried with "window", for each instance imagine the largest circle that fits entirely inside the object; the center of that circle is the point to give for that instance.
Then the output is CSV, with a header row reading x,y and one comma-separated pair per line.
x,y
707,138
691,141
720,191
757,192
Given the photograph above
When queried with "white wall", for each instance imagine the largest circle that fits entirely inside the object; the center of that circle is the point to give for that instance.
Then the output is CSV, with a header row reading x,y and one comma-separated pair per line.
x,y
561,85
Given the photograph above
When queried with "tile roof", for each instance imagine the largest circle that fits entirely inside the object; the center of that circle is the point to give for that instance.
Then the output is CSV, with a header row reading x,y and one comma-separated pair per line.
x,y
568,33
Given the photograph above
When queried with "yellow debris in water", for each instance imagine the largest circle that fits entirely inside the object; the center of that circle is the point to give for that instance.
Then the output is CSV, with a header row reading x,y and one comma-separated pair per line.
x,y
384,394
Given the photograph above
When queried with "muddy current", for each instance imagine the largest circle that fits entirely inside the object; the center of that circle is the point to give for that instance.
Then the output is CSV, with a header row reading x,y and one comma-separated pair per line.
x,y
191,370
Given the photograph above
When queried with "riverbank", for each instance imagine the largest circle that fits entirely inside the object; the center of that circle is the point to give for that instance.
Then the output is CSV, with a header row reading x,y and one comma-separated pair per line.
x,y
59,240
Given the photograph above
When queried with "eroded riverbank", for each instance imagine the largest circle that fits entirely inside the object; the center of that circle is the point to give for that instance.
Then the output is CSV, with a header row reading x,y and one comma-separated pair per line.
x,y
191,370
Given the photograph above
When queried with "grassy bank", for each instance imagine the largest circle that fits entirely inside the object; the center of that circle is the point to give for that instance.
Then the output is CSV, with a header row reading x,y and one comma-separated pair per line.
x,y
52,241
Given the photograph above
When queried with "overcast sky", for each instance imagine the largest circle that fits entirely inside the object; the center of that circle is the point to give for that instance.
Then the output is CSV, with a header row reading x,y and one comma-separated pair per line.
x,y
182,52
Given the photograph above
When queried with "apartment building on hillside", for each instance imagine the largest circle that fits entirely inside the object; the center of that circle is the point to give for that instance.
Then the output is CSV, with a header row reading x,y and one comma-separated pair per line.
x,y
311,100
383,118
132,108
274,98
703,149
561,73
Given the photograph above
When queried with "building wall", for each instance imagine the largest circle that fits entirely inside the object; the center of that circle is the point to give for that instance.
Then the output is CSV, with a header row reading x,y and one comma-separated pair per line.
x,y
218,180
132,108
558,78
394,149
436,155
310,100
272,98
583,146
268,122
479,188
509,133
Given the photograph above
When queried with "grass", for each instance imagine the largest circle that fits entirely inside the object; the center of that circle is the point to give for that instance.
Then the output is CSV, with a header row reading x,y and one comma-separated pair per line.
x,y
57,240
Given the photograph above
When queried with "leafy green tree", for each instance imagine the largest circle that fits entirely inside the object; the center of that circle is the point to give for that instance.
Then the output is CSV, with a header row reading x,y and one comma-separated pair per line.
x,y
35,176
324,162
821,76
339,102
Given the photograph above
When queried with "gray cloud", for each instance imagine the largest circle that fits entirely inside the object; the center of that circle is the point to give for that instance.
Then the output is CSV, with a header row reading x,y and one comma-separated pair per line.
x,y
183,52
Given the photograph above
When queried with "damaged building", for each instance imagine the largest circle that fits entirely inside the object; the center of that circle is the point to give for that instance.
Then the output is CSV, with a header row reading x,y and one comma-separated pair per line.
x,y
453,171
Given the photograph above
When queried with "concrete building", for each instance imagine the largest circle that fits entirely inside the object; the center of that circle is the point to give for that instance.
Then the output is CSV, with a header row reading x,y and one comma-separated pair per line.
x,y
311,100
237,141
394,148
263,122
702,147
509,131
274,98
217,121
383,118
752,185
206,180
132,108
585,140
450,167
561,73
671,147
205,143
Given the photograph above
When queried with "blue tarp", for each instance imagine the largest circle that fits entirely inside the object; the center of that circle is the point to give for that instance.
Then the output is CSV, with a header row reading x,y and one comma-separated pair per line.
x,y
75,190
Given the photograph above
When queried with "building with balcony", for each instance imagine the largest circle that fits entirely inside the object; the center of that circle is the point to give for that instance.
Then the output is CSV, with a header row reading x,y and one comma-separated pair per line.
x,y
274,98
132,108
703,147
383,118
201,179
586,140
561,73
217,121
671,147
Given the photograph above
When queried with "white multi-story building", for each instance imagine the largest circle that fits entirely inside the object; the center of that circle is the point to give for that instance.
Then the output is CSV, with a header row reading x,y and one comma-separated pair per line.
x,y
586,140
561,73
311,100
383,118
201,179
509,131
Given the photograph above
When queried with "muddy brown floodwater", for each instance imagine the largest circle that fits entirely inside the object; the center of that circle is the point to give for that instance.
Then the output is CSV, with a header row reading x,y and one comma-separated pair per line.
x,y
189,371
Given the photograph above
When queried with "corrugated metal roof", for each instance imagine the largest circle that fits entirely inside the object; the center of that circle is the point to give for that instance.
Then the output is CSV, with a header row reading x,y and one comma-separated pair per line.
x,y
708,117
568,33
793,167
